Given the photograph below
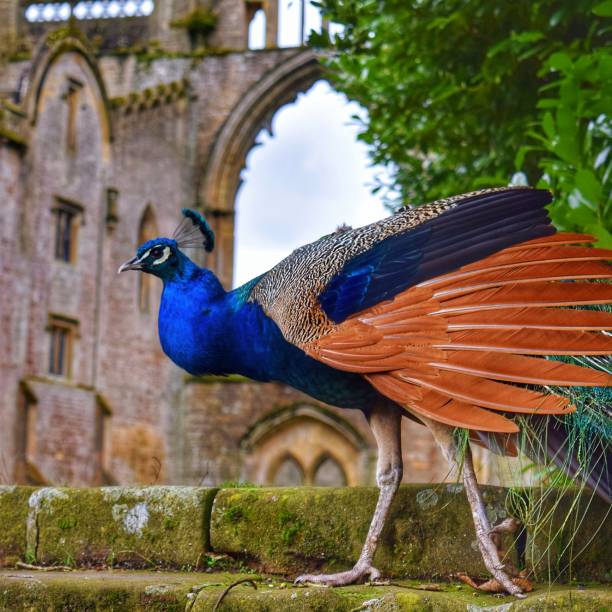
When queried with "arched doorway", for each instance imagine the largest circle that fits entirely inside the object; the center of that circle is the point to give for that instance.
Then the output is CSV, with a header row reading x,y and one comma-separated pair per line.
x,y
237,137
147,230
305,445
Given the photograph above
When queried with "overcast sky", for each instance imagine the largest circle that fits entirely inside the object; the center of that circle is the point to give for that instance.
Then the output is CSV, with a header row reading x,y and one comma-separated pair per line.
x,y
311,176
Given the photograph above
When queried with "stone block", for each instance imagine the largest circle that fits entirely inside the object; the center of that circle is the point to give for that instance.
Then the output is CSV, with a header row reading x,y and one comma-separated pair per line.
x,y
141,527
429,533
13,520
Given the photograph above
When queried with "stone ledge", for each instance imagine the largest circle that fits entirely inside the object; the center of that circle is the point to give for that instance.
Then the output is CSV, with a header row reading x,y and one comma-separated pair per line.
x,y
120,591
429,533
289,531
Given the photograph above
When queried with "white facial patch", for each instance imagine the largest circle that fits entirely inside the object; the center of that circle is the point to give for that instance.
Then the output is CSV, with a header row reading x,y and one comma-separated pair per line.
x,y
163,258
144,256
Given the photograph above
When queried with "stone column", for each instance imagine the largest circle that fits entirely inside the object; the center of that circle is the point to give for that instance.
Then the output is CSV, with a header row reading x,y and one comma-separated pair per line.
x,y
271,10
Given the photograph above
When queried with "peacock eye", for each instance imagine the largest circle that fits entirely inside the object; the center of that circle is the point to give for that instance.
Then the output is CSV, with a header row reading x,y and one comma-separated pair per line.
x,y
157,251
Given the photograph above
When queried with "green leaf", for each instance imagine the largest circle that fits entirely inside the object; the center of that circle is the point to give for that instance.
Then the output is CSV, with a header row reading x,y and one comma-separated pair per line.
x,y
560,61
548,125
589,187
604,237
527,37
581,216
548,103
604,9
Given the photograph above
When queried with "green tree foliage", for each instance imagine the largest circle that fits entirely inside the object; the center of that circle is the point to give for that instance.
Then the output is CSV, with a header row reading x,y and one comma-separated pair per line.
x,y
463,94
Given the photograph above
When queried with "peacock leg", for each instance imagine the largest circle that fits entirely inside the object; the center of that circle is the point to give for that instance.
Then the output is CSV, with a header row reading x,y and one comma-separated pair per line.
x,y
385,422
443,435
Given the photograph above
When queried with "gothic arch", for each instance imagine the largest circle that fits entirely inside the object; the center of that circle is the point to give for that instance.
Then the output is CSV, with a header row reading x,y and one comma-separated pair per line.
x,y
286,470
328,471
272,421
47,53
255,110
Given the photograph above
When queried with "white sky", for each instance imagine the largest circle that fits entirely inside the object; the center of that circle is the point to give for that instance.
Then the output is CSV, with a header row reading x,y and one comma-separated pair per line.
x,y
302,183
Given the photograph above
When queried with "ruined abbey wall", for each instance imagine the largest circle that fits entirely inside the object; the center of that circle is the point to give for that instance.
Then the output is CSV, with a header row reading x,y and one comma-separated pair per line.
x,y
120,142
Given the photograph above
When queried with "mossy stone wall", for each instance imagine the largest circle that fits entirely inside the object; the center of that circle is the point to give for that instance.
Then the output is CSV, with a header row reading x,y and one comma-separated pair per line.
x,y
13,523
142,527
289,531
429,532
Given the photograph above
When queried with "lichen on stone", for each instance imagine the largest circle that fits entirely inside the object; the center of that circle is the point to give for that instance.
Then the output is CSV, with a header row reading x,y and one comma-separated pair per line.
x,y
137,526
134,519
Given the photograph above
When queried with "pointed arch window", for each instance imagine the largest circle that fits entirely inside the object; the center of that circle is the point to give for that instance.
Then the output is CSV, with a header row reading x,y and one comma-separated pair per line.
x,y
146,231
289,473
329,473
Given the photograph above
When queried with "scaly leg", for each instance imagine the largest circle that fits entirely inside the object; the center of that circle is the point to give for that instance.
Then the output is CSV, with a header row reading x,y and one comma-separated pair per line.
x,y
443,435
385,422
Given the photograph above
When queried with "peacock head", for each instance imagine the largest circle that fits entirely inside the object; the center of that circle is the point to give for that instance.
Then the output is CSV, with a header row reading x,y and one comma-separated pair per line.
x,y
162,257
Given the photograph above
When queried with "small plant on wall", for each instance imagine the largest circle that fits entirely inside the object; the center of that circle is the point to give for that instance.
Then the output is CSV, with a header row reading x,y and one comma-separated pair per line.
x,y
199,24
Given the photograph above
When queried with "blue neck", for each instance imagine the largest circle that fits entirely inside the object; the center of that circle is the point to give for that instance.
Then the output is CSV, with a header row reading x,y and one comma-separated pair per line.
x,y
206,330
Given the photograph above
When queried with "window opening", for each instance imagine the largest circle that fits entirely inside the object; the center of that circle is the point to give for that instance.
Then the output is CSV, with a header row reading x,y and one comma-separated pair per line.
x,y
102,441
66,222
61,332
26,471
296,19
41,12
329,473
72,100
289,473
257,30
147,231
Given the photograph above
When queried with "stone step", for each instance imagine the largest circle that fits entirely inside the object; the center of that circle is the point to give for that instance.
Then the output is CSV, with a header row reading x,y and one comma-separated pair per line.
x,y
129,590
292,530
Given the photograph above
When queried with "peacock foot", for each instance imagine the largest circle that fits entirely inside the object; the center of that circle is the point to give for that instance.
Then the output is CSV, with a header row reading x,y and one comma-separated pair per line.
x,y
508,526
494,586
501,572
359,573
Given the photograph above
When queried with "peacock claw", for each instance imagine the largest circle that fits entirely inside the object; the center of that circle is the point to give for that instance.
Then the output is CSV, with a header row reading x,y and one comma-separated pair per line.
x,y
352,576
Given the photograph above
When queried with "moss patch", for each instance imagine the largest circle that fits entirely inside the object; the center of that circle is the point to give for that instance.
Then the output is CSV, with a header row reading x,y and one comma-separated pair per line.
x,y
192,592
139,527
13,519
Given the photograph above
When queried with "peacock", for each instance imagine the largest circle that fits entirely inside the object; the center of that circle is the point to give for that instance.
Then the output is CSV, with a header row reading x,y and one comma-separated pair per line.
x,y
444,313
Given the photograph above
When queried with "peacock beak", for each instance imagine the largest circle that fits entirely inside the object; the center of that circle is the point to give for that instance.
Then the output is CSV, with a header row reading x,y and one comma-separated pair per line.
x,y
131,264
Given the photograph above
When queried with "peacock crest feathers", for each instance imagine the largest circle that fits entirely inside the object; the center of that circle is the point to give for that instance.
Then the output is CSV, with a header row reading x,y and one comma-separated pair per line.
x,y
192,229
